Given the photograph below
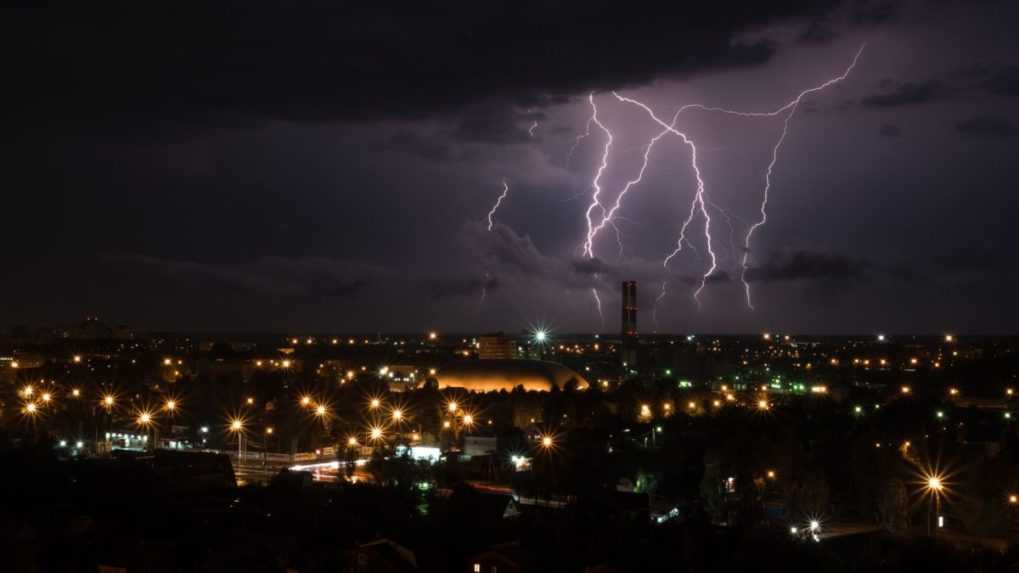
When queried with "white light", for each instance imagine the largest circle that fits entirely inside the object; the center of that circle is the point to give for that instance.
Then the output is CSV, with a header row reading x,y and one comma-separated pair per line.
x,y
941,521
815,525
205,429
540,336
79,445
63,443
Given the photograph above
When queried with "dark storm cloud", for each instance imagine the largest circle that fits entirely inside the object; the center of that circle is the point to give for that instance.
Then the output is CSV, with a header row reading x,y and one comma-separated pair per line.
x,y
412,143
890,130
145,62
495,122
445,288
810,266
1004,82
987,126
825,26
276,276
907,93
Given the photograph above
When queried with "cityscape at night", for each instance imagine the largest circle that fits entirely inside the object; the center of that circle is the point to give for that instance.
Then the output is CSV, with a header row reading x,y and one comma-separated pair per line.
x,y
510,287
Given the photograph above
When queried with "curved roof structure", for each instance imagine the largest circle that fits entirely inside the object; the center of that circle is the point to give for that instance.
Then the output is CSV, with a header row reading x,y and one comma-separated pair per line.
x,y
495,375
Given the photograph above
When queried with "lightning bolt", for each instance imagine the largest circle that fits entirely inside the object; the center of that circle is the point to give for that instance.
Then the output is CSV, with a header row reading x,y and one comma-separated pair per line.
x,y
698,203
597,302
576,142
792,107
498,202
608,216
699,200
596,182
530,130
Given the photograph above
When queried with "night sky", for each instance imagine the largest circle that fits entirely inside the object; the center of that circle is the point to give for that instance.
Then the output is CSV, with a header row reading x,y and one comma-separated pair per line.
x,y
244,166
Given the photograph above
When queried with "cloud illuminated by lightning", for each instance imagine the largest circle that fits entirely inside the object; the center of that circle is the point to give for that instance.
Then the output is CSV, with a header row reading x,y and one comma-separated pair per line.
x,y
498,202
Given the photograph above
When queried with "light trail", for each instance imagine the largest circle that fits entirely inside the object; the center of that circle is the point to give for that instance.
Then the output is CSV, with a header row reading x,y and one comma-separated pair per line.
x,y
498,202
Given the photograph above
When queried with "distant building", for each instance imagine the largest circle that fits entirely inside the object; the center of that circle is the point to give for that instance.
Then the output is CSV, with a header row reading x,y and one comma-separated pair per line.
x,y
496,347
629,326
505,375
628,350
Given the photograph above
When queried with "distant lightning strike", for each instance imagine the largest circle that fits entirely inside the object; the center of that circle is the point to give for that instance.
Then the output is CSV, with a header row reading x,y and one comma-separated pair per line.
x,y
597,302
530,130
498,202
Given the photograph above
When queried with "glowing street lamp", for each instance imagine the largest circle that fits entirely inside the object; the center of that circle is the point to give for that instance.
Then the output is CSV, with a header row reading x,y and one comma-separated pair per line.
x,y
468,420
452,406
934,485
376,433
397,415
547,442
170,406
375,403
109,401
76,392
237,427
306,400
46,397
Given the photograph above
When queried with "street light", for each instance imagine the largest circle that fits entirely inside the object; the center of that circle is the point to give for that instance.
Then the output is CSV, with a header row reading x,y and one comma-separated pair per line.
x,y
934,486
452,406
397,415
547,442
237,427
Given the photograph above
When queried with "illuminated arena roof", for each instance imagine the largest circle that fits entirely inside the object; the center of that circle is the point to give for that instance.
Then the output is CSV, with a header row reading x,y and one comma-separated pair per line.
x,y
495,375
